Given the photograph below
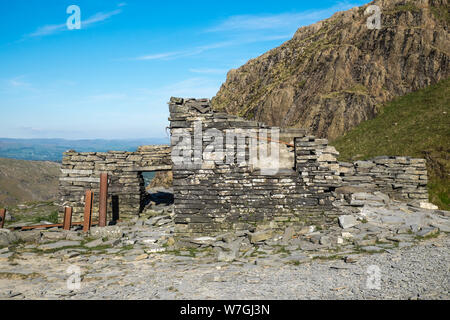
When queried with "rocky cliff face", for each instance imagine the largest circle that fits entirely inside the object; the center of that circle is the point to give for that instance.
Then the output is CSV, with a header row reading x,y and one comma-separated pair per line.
x,y
336,73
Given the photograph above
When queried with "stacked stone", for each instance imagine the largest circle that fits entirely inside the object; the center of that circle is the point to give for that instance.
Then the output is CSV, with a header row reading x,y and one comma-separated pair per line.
x,y
402,178
215,195
153,158
214,198
81,172
318,168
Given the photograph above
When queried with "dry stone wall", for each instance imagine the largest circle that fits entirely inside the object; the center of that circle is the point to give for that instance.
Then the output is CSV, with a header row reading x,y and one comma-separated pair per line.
x,y
215,195
81,171
401,178
214,198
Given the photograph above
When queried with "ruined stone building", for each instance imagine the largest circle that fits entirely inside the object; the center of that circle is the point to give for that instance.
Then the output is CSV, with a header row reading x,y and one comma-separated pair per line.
x,y
215,196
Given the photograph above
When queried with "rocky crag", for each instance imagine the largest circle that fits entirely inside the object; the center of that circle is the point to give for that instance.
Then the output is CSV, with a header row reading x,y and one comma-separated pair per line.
x,y
334,74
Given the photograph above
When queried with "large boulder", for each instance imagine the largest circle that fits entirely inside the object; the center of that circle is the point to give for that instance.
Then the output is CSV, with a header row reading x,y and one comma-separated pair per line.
x,y
348,221
230,252
260,236
29,236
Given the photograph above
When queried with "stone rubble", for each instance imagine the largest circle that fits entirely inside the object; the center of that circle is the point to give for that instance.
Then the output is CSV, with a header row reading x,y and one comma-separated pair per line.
x,y
298,263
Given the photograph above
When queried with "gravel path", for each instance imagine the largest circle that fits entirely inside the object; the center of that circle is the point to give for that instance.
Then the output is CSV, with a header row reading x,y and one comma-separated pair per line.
x,y
418,272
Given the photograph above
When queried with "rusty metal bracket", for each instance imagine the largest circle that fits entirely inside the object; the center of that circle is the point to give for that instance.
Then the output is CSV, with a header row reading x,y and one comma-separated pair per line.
x,y
67,223
103,199
89,199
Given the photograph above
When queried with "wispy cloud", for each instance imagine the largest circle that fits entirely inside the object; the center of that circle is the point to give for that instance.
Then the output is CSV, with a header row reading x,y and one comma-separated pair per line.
x,y
18,82
246,29
276,21
209,71
56,28
184,53
159,56
201,49
100,16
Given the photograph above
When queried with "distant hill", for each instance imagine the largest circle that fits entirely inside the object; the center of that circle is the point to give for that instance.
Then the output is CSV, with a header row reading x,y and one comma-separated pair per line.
x,y
52,149
417,125
29,168
27,181
336,73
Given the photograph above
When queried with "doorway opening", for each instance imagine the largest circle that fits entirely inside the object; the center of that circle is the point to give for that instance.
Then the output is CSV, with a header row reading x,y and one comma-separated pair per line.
x,y
156,192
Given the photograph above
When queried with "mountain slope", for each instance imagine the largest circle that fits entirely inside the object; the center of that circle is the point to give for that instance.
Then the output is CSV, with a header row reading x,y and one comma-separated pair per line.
x,y
24,181
418,125
334,74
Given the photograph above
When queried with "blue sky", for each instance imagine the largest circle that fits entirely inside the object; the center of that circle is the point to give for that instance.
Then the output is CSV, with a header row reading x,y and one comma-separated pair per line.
x,y
112,78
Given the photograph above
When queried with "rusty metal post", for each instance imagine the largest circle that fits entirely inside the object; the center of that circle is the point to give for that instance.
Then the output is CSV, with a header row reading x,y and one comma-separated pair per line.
x,y
67,223
103,200
2,217
88,210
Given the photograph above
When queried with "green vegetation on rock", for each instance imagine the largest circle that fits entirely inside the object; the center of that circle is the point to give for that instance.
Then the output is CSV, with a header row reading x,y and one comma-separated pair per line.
x,y
417,125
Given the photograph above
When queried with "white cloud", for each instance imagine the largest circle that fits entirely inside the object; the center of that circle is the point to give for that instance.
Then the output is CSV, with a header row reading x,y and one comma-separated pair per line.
x,y
17,82
46,30
100,16
200,49
55,28
159,56
184,53
277,21
247,29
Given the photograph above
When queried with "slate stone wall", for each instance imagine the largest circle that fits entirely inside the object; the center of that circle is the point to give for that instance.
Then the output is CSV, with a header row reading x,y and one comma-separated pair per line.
x,y
401,178
215,195
81,171
214,198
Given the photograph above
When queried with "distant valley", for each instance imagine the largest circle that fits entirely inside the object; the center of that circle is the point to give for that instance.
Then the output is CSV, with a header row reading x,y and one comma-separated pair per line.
x,y
30,168
52,149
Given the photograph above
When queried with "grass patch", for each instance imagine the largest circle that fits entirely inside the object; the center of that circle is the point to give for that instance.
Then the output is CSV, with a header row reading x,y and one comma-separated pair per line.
x,y
34,213
52,217
428,237
192,252
295,262
358,89
279,249
441,13
18,276
101,248
327,258
416,125
402,8
49,251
